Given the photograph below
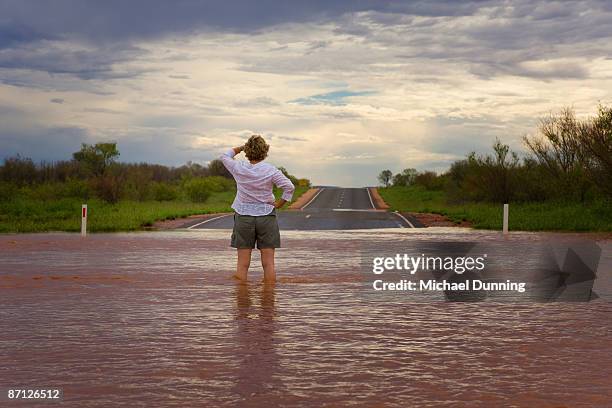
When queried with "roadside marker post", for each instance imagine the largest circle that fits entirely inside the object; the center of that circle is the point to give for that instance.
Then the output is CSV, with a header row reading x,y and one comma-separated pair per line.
x,y
84,220
505,227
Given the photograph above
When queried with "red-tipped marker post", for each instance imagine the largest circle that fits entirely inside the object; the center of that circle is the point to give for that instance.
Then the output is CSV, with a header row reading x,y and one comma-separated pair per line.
x,y
505,220
84,220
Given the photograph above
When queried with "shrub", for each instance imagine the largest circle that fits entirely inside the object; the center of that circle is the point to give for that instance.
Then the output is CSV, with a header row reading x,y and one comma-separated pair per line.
x,y
107,187
559,149
133,190
217,168
8,191
218,183
405,178
18,170
292,178
430,180
595,137
163,192
43,192
303,182
74,188
485,177
197,189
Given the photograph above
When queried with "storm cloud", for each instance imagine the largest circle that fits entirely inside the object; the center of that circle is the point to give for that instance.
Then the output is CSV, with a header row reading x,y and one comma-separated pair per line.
x,y
340,88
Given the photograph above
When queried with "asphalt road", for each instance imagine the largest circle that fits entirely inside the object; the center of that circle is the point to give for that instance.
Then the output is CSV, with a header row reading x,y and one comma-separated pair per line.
x,y
332,208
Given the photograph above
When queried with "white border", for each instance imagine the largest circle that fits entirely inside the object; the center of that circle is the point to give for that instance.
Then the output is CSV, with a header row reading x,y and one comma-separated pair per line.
x,y
404,218
313,198
370,197
208,220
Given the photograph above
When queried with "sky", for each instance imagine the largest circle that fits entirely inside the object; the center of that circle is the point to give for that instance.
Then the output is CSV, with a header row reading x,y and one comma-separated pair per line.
x,y
340,89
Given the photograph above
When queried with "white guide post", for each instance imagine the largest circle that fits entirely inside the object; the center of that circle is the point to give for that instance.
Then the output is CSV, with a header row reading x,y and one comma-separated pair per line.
x,y
84,220
505,227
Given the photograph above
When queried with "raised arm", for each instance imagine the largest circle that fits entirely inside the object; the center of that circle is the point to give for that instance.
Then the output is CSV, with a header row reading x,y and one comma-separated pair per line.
x,y
282,182
227,158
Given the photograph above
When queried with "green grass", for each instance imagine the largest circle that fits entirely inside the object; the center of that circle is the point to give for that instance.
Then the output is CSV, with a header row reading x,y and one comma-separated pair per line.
x,y
27,215
298,192
544,216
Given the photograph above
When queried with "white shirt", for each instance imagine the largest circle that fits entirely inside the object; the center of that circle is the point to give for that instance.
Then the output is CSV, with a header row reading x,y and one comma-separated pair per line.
x,y
254,185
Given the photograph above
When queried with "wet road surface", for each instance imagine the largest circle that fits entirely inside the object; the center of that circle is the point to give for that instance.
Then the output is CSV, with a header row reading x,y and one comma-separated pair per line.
x,y
332,208
151,319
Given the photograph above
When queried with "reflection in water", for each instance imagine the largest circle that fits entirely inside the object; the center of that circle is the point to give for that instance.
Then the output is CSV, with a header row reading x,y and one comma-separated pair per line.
x,y
256,349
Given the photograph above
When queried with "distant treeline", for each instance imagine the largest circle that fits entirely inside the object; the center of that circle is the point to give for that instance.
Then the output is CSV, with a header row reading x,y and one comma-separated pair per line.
x,y
95,172
569,160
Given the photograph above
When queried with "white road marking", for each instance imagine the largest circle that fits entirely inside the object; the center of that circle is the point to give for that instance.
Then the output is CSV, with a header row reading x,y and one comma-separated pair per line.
x,y
313,198
309,215
403,218
208,220
357,209
370,197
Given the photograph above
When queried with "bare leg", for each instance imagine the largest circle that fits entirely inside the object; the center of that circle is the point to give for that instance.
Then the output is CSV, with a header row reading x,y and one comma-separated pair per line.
x,y
267,261
242,267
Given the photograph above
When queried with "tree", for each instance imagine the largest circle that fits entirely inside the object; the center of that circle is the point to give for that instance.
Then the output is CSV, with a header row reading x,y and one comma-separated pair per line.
x,y
558,149
18,170
430,180
499,170
217,168
385,177
556,146
405,178
490,177
292,178
97,158
595,138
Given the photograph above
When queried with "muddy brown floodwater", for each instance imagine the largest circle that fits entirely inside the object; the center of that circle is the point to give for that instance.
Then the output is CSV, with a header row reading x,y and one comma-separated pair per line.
x,y
151,319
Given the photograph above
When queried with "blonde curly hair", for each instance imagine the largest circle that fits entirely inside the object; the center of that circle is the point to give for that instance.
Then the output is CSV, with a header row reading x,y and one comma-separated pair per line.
x,y
256,148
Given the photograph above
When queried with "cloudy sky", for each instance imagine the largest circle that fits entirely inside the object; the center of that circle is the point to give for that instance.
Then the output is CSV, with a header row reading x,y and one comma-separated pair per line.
x,y
341,89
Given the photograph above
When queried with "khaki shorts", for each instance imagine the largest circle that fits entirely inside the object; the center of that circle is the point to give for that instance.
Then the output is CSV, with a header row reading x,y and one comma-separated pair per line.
x,y
249,229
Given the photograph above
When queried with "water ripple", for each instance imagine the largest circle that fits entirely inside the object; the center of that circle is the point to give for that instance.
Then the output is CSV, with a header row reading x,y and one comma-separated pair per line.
x,y
152,319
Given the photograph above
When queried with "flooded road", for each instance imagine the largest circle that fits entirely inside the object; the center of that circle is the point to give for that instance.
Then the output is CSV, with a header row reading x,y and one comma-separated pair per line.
x,y
151,319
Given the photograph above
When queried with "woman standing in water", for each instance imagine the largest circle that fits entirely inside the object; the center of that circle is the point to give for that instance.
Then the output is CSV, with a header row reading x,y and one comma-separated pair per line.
x,y
255,208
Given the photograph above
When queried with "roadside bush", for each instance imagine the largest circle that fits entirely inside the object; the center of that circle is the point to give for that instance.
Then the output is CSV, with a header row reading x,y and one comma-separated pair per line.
x,y
529,186
163,192
133,190
107,187
19,170
8,191
218,184
430,180
559,149
595,137
74,188
138,181
490,178
405,178
43,192
217,168
197,190
292,178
